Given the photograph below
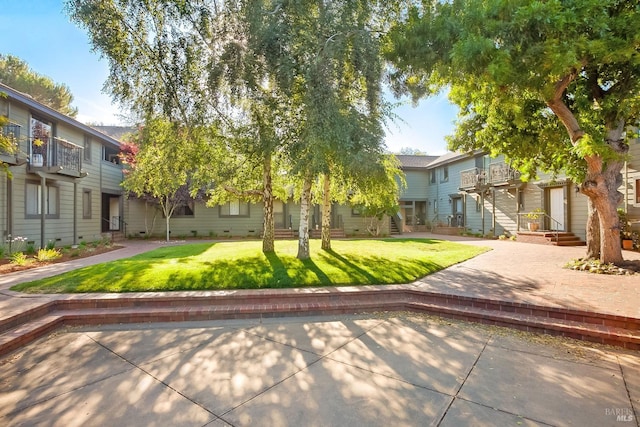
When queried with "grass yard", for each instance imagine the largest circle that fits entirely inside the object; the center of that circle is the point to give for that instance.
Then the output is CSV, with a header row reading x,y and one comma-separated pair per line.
x,y
242,265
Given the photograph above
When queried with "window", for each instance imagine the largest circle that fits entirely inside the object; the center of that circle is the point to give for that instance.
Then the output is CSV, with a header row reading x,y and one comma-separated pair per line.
x,y
87,148
356,211
41,133
445,174
433,176
235,208
184,210
478,204
86,204
33,199
111,155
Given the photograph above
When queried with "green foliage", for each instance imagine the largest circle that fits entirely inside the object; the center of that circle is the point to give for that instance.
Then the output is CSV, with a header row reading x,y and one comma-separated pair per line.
x,y
17,74
237,265
19,258
50,244
160,170
31,248
293,87
503,61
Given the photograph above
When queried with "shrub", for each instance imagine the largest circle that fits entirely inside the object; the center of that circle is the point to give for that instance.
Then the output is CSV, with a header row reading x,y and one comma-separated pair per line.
x,y
2,251
31,248
45,255
51,244
19,258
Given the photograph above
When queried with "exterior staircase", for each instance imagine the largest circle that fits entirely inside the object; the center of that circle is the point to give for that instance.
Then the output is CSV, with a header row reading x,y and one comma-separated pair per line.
x,y
283,233
393,226
336,233
546,237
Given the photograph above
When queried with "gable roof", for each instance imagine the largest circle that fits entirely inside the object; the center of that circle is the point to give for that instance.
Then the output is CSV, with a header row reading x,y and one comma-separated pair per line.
x,y
415,162
30,103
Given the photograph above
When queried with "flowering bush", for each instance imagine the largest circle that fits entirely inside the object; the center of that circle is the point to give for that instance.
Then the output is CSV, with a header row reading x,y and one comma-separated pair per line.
x,y
16,244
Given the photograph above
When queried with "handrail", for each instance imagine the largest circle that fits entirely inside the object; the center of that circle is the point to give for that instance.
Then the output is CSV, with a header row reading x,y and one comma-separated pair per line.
x,y
552,221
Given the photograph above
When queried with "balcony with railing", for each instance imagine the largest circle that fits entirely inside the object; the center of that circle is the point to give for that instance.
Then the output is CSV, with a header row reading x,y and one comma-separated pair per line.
x,y
56,156
502,174
472,179
12,156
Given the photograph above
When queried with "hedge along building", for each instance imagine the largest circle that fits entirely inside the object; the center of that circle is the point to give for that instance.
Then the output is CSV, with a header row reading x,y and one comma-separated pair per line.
x,y
65,185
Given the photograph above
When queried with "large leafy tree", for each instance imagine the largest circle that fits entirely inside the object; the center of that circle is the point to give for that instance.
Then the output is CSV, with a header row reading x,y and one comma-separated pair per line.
x,y
287,80
16,73
159,166
334,69
550,84
376,193
202,63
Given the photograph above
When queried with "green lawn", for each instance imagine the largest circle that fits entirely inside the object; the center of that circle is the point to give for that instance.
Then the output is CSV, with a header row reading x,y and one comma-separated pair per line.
x,y
242,265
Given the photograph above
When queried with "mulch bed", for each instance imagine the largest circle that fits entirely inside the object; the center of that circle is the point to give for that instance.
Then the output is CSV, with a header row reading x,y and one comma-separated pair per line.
x,y
67,255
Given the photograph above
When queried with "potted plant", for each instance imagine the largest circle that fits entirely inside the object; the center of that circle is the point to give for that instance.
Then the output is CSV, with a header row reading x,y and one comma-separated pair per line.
x,y
626,237
37,159
533,218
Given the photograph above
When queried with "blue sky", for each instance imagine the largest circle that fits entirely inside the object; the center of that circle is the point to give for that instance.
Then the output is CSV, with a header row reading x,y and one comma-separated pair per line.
x,y
43,36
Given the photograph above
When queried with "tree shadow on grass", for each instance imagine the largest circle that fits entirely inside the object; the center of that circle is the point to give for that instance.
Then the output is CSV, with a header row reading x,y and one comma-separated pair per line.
x,y
385,271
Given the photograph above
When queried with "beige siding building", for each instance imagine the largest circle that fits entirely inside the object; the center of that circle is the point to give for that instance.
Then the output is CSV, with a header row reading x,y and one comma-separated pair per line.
x,y
65,185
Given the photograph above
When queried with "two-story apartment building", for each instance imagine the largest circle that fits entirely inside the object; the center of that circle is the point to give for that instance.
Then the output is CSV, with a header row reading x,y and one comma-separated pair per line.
x,y
65,176
483,195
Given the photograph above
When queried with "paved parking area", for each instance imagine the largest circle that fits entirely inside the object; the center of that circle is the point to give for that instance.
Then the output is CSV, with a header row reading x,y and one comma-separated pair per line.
x,y
369,370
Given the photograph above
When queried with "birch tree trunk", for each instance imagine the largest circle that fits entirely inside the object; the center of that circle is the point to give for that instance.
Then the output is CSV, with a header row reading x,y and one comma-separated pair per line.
x,y
303,230
268,226
326,214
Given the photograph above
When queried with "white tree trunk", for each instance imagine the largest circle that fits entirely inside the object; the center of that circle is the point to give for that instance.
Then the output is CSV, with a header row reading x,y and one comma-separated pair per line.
x,y
326,214
268,226
303,230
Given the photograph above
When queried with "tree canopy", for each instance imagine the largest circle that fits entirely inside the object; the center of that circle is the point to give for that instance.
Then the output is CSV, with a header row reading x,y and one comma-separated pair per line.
x,y
297,83
551,85
159,166
17,74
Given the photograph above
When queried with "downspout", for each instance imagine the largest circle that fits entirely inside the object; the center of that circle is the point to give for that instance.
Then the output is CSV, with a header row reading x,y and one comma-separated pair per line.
x,y
75,213
482,209
9,207
493,210
43,201
626,189
517,208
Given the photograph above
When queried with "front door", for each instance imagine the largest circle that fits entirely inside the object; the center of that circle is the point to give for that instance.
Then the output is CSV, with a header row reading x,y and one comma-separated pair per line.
x,y
556,208
110,212
278,214
457,219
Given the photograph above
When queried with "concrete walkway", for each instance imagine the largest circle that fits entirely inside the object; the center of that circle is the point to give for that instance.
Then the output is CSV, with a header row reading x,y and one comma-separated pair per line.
x,y
386,369
359,371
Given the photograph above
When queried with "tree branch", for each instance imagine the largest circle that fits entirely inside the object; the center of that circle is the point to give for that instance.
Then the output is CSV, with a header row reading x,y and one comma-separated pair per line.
x,y
242,193
561,110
